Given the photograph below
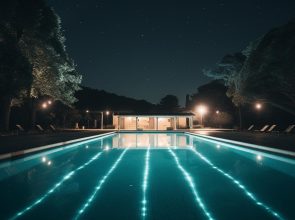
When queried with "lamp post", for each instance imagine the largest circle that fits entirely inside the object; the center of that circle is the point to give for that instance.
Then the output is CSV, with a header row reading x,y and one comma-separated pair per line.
x,y
202,110
87,112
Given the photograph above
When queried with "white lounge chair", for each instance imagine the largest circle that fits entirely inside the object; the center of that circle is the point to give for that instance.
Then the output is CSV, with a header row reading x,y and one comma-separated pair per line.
x,y
289,129
263,129
39,127
250,128
271,129
19,128
52,128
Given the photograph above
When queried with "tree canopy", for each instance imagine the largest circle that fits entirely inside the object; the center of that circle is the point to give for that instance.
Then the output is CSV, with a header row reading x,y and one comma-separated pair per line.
x,y
265,70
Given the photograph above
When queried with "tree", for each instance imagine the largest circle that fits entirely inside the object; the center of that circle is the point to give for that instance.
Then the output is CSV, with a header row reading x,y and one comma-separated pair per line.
x,y
15,72
41,40
229,71
270,69
169,104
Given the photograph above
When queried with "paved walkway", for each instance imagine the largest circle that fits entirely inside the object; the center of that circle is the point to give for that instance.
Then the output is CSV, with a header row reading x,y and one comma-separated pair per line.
x,y
280,141
21,142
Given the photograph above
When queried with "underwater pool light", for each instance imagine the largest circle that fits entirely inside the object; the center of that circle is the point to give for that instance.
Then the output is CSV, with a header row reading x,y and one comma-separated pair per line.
x,y
57,185
191,184
239,184
145,184
99,185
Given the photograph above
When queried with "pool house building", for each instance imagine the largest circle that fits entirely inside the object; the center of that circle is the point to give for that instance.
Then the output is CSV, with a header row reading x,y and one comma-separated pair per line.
x,y
154,121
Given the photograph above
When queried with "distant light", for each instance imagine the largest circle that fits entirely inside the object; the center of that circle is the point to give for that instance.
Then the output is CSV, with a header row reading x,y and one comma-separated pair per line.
x,y
107,112
217,112
44,105
49,102
259,157
258,106
44,159
87,111
202,109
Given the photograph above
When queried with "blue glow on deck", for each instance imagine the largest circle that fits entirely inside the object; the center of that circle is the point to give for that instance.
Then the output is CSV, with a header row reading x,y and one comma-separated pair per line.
x,y
191,184
239,184
145,184
99,185
52,190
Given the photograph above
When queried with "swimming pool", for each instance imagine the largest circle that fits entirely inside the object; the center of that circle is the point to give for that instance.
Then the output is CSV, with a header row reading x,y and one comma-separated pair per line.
x,y
148,176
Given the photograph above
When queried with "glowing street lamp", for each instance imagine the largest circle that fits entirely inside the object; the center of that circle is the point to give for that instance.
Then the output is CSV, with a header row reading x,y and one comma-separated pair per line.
x,y
258,106
107,112
202,110
44,105
49,102
217,112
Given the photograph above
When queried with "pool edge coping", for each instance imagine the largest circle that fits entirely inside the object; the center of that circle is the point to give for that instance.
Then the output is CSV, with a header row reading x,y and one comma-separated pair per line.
x,y
247,145
19,153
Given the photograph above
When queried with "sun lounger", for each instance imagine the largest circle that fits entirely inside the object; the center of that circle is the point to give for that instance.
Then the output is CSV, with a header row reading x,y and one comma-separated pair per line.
x,y
263,129
250,128
19,128
271,129
52,128
40,128
289,129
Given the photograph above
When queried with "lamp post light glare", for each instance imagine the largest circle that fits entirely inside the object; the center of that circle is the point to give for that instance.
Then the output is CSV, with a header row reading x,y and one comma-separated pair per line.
x,y
217,112
107,112
87,111
258,106
49,102
44,105
202,110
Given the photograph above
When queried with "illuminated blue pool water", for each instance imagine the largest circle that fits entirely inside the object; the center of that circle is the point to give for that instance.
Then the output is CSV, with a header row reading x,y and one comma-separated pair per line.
x,y
148,176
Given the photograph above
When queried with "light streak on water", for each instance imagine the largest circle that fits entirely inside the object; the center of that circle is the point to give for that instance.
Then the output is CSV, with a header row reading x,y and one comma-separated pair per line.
x,y
99,185
145,184
191,184
57,185
239,184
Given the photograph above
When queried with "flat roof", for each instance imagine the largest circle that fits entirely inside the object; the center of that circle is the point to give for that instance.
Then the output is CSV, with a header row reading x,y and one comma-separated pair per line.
x,y
155,114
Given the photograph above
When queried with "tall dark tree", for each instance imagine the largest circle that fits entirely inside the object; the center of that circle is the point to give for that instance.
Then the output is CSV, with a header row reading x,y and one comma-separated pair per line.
x,y
265,71
15,72
41,41
169,103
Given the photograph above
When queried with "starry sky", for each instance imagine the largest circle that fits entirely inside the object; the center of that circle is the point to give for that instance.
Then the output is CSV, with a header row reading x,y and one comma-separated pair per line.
x,y
147,49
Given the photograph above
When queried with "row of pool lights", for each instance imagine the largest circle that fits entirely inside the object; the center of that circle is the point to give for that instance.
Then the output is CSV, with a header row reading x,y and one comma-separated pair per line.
x,y
99,185
145,183
191,183
52,190
236,182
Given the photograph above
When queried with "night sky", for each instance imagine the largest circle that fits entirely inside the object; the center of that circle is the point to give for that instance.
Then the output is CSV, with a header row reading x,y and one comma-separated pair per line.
x,y
147,49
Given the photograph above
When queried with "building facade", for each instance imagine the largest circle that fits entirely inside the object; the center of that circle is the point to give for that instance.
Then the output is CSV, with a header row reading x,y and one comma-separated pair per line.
x,y
161,121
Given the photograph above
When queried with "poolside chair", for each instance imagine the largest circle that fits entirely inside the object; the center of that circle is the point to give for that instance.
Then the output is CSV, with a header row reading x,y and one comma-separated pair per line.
x,y
19,128
250,128
271,129
263,129
40,128
52,128
289,129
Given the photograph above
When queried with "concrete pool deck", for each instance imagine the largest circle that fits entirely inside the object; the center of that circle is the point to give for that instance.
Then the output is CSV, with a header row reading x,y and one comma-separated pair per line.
x,y
9,144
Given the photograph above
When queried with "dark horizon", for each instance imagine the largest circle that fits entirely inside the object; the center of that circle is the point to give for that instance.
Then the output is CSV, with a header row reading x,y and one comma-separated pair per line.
x,y
148,50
